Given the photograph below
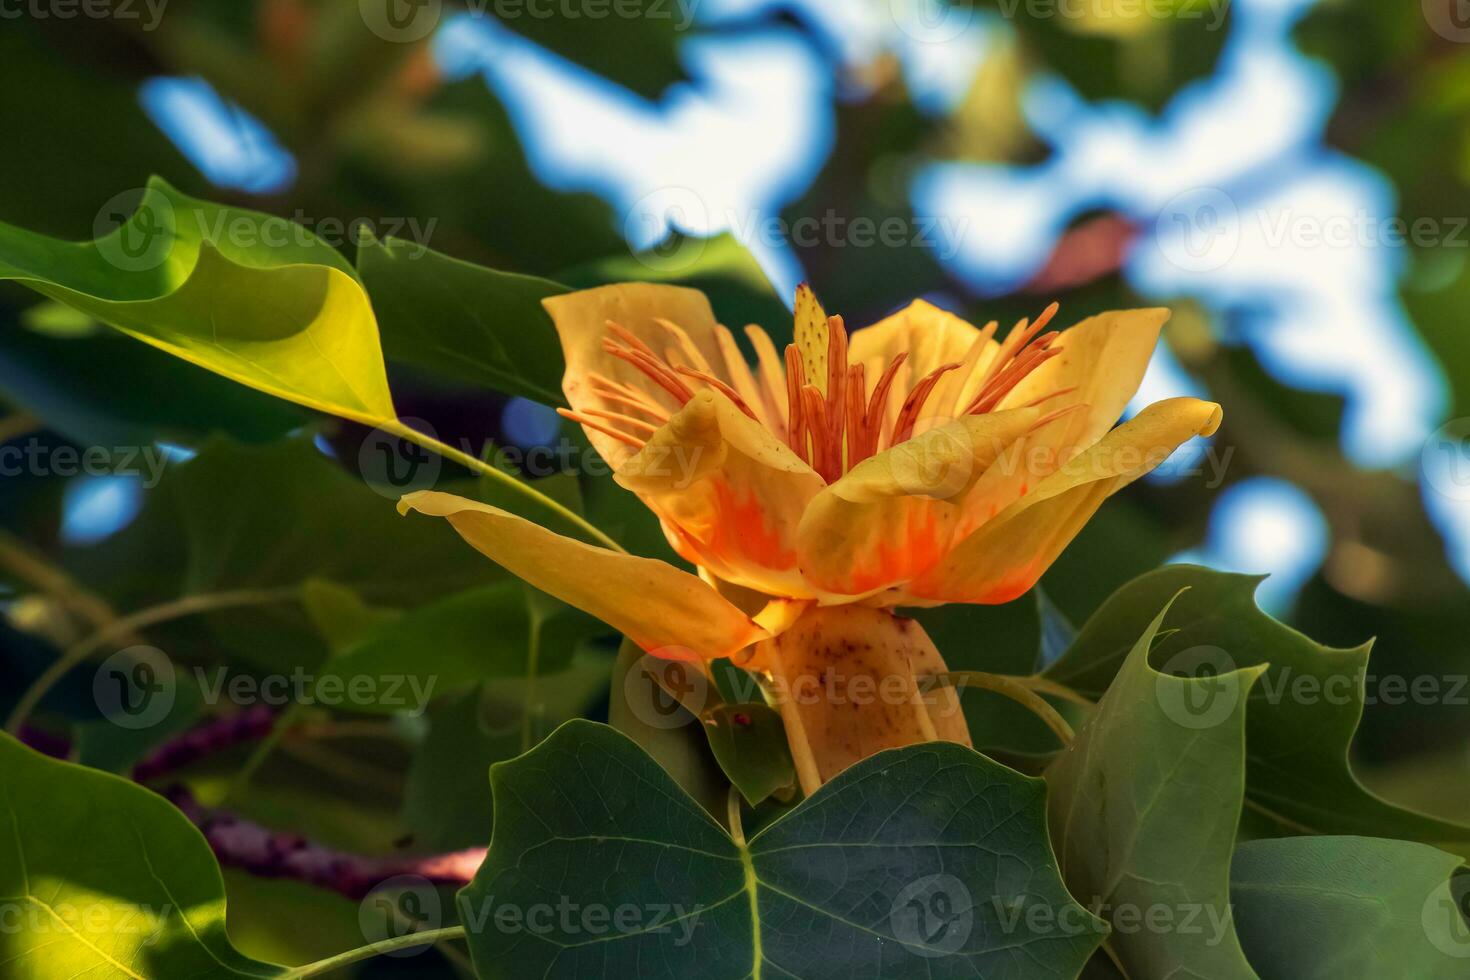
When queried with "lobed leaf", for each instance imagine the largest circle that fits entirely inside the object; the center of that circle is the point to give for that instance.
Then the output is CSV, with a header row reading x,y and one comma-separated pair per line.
x,y
1303,713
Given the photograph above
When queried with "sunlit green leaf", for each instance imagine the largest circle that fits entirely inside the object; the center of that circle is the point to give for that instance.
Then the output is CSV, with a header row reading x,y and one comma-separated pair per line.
x,y
105,878
255,298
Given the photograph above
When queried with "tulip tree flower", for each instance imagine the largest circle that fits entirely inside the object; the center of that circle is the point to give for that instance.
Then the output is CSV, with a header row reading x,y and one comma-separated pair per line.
x,y
918,462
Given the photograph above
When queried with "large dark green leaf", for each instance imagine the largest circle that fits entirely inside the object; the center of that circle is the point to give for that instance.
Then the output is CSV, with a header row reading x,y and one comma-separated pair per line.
x,y
1303,713
1144,806
1322,908
929,861
104,878
463,320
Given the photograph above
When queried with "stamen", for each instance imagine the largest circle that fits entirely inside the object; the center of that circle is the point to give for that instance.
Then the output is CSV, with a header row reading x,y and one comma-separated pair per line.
x,y
1049,419
796,422
878,405
657,371
903,428
629,338
621,419
856,432
814,410
836,392
606,430
1048,397
720,386
686,345
621,394
1001,386
740,376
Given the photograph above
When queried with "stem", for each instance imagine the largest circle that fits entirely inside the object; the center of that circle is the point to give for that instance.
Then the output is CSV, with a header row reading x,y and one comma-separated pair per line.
x,y
1012,688
1045,685
737,831
361,953
262,750
126,626
22,562
477,465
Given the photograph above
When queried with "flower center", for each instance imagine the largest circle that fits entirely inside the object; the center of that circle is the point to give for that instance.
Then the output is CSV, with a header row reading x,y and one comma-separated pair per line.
x,y
813,398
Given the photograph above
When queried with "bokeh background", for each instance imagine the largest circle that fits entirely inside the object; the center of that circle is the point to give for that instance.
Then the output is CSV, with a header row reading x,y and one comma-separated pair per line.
x,y
1290,176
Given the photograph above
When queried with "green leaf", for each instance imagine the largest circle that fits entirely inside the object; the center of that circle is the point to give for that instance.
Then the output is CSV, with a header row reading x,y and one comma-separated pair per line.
x,y
274,517
720,267
447,801
282,514
1320,908
1303,713
103,389
464,321
749,742
340,615
1143,808
246,295
451,643
930,860
639,708
441,647
105,879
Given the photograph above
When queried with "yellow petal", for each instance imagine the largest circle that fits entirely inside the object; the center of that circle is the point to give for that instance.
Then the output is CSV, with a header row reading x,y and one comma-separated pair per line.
x,y
847,682
581,322
729,492
1104,358
895,514
667,612
1008,554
